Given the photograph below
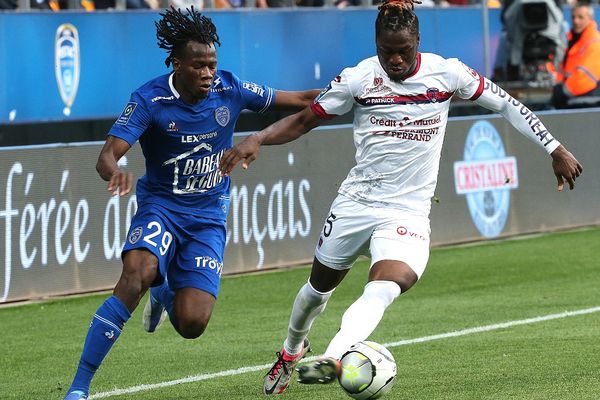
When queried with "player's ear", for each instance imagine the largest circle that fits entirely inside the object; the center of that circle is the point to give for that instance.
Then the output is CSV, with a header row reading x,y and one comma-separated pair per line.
x,y
176,64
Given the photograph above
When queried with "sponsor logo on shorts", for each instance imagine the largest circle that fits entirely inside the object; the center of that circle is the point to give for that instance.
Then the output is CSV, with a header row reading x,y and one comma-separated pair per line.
x,y
135,235
486,176
403,231
210,263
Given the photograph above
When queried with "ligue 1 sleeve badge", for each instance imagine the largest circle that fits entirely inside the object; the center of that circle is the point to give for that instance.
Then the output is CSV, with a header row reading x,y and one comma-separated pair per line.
x,y
66,62
486,176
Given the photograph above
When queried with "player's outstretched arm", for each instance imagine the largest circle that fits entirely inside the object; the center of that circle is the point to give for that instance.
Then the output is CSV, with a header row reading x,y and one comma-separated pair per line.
x,y
565,165
295,100
119,181
283,131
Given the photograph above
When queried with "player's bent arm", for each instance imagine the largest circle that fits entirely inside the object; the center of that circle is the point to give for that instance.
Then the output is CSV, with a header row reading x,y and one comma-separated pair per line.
x,y
118,180
295,100
289,128
283,131
565,165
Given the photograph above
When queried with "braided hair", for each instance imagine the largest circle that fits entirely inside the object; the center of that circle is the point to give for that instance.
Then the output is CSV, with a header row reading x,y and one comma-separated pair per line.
x,y
397,15
176,29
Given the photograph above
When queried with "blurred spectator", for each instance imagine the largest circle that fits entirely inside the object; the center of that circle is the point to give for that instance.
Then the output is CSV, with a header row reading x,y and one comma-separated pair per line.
x,y
310,3
274,3
198,4
131,4
229,3
347,3
8,4
579,73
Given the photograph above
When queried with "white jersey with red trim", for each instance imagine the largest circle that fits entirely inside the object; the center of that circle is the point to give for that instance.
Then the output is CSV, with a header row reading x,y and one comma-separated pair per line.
x,y
398,127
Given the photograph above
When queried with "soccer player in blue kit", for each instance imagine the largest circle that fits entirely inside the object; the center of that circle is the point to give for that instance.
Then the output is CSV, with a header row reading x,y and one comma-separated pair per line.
x,y
184,122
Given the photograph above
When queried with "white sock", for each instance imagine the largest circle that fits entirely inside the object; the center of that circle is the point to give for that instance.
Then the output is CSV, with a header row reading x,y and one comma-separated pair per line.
x,y
363,316
308,305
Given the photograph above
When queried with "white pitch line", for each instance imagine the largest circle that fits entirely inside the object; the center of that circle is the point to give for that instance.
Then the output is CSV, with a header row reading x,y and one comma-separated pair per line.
x,y
243,370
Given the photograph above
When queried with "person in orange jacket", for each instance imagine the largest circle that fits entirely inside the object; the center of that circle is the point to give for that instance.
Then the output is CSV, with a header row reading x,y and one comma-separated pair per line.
x,y
578,79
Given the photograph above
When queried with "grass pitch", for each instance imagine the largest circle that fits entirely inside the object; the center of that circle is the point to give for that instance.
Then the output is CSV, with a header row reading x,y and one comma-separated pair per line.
x,y
463,287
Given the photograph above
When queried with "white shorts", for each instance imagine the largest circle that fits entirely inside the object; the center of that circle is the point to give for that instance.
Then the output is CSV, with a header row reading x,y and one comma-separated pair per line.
x,y
353,229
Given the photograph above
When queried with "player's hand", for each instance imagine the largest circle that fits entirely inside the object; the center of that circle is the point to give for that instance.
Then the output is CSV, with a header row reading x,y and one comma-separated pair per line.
x,y
566,167
120,182
247,150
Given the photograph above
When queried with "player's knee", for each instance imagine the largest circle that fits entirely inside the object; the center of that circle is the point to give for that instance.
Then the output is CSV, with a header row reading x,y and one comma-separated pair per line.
x,y
383,291
192,328
140,268
312,297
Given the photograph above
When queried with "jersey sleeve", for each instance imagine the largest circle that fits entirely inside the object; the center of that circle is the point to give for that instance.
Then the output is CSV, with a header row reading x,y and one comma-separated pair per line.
x,y
255,97
133,121
336,99
469,84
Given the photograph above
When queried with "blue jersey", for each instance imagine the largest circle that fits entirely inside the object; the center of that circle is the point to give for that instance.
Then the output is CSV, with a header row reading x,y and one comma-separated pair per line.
x,y
183,143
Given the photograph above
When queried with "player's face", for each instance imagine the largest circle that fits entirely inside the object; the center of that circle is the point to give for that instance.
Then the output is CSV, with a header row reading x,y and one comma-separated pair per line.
x,y
195,70
397,52
580,17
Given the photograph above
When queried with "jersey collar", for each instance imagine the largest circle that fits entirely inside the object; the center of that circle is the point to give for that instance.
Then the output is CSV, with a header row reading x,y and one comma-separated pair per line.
x,y
172,86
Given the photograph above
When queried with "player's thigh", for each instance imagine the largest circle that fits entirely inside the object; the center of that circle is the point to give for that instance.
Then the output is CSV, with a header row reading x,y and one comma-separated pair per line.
x,y
151,233
345,234
402,238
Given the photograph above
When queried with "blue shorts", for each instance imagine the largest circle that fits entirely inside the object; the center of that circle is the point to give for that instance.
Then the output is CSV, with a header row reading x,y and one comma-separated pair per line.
x,y
189,248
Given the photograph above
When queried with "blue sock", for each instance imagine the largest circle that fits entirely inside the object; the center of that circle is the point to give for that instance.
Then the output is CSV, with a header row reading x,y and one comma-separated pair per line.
x,y
165,296
103,333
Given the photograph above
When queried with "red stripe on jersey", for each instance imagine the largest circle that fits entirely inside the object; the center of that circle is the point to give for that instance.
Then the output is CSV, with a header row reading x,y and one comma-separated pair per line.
x,y
436,97
416,69
479,89
320,112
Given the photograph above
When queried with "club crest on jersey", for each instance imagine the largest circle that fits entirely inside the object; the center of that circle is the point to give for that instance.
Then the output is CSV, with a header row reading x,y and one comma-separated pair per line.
x,y
433,94
135,235
378,81
66,62
222,115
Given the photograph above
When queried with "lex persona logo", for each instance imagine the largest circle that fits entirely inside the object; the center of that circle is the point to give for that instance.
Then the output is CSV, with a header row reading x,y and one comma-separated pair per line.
x,y
486,176
66,62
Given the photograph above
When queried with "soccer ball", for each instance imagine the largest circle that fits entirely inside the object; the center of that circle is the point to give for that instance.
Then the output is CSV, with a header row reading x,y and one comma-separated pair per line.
x,y
368,371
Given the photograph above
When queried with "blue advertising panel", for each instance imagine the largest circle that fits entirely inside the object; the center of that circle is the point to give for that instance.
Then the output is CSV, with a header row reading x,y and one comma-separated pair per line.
x,y
74,65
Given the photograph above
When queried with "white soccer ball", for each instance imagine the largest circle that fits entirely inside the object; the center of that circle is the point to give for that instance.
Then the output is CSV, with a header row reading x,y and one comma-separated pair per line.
x,y
368,371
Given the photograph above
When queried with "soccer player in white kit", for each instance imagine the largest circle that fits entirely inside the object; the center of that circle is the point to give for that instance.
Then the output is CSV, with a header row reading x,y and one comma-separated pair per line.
x,y
400,100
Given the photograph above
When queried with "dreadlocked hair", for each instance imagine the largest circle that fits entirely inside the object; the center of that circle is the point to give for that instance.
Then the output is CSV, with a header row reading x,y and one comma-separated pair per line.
x,y
176,29
397,15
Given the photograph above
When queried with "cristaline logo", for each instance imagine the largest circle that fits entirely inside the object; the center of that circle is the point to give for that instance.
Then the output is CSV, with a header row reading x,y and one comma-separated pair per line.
x,y
485,177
